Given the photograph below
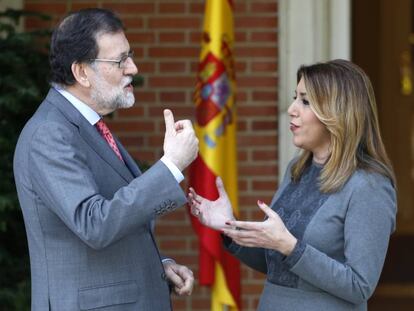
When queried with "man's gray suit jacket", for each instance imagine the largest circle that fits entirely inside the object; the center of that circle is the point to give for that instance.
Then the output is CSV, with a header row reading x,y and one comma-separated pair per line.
x,y
89,217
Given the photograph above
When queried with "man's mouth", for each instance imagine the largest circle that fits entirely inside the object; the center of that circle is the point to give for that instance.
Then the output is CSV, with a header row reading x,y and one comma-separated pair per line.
x,y
129,86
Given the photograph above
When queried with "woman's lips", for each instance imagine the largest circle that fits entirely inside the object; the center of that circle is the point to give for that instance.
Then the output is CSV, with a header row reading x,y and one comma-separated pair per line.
x,y
293,127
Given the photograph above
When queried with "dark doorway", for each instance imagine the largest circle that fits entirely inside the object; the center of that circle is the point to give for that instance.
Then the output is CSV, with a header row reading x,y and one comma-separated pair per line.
x,y
383,44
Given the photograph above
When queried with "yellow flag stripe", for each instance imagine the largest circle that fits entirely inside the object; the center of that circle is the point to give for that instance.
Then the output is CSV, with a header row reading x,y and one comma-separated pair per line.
x,y
222,159
218,137
221,295
218,21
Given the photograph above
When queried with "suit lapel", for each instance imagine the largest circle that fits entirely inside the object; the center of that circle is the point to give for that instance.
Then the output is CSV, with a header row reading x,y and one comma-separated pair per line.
x,y
90,134
92,137
129,162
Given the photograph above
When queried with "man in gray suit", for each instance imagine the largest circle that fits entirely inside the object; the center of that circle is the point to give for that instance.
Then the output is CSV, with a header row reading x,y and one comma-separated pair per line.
x,y
88,210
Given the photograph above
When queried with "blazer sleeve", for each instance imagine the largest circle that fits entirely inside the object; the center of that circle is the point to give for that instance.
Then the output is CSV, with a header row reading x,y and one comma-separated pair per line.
x,y
64,183
253,257
369,221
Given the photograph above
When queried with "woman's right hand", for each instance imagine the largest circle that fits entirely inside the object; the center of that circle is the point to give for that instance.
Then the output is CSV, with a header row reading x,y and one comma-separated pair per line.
x,y
213,214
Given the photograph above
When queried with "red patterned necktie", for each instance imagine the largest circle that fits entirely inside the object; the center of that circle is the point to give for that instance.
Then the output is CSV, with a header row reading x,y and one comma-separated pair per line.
x,y
106,133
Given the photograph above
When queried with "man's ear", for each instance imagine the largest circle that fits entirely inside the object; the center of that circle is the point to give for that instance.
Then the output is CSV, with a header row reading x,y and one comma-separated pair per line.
x,y
80,73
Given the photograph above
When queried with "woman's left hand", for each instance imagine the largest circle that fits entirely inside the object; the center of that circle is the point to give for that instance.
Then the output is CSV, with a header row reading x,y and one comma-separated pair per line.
x,y
271,233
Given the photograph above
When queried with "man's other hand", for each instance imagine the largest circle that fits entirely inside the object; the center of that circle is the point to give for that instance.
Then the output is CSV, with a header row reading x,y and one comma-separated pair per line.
x,y
180,277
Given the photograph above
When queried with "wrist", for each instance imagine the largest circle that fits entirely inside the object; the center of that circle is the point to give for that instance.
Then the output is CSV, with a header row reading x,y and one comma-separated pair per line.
x,y
171,160
289,245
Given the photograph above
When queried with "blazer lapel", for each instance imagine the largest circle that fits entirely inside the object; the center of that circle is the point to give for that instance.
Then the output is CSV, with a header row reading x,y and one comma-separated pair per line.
x,y
89,134
129,162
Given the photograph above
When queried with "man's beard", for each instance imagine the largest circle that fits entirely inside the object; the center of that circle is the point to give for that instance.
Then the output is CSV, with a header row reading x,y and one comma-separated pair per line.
x,y
109,97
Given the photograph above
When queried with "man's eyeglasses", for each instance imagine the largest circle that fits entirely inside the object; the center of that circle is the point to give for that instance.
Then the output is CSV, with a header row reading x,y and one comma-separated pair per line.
x,y
121,62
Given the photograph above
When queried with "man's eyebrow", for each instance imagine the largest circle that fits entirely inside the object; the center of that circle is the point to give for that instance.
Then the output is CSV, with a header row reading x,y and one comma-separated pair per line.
x,y
122,54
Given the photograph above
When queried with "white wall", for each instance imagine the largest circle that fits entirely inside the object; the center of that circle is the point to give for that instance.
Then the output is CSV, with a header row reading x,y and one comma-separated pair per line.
x,y
310,31
15,4
12,4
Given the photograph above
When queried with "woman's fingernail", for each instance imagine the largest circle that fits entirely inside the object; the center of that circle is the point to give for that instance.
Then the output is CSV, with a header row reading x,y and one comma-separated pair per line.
x,y
227,223
259,202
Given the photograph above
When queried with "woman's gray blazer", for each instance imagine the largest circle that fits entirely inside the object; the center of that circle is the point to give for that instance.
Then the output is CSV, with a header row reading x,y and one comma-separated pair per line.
x,y
346,243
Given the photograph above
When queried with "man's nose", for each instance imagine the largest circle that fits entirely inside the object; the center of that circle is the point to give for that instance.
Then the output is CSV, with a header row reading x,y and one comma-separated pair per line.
x,y
131,68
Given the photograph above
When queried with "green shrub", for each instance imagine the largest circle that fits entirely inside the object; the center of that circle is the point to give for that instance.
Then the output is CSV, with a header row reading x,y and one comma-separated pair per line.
x,y
23,84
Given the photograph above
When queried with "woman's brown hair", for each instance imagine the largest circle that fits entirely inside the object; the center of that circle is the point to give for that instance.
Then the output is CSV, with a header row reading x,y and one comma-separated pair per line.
x,y
342,98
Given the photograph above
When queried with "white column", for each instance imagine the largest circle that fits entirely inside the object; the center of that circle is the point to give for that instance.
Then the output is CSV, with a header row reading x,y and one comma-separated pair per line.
x,y
340,25
309,31
12,4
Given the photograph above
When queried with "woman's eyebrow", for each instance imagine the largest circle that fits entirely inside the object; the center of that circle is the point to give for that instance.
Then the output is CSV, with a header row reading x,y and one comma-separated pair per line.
x,y
301,93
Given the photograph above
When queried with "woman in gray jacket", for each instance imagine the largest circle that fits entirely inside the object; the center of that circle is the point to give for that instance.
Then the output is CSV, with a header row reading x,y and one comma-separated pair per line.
x,y
324,239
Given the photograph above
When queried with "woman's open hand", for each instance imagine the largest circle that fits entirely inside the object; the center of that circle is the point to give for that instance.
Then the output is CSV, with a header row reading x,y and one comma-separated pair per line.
x,y
270,233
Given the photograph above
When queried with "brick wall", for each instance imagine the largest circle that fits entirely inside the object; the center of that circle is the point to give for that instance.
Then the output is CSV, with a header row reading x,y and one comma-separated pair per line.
x,y
165,36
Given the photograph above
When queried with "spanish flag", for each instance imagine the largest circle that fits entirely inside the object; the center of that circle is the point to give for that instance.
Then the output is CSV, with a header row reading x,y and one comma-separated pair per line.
x,y
216,129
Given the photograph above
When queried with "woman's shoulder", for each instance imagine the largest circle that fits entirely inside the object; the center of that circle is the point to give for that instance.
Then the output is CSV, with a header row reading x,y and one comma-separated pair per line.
x,y
374,192
368,178
365,183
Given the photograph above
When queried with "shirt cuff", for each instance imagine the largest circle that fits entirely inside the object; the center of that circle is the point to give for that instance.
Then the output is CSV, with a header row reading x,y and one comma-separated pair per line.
x,y
297,252
179,177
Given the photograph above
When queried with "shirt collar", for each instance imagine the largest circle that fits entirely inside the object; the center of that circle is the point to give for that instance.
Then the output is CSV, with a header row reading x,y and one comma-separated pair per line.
x,y
88,113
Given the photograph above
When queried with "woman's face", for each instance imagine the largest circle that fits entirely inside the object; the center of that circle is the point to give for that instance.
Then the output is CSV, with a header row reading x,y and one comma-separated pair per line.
x,y
308,132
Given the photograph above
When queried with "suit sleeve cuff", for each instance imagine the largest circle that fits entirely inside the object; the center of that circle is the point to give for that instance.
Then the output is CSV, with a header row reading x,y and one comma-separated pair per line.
x,y
179,177
297,252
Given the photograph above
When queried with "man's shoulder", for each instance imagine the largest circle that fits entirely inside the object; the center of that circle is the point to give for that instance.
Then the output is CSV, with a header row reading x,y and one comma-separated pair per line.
x,y
48,120
46,125
54,108
45,115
